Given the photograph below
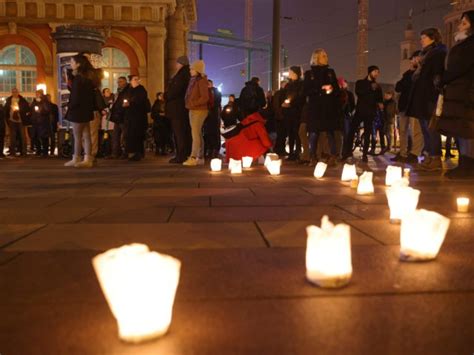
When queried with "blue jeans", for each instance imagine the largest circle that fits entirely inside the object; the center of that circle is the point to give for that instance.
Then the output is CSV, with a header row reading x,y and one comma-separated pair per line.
x,y
432,139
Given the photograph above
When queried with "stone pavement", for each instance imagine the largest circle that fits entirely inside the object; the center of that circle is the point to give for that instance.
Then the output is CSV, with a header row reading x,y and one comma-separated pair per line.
x,y
241,240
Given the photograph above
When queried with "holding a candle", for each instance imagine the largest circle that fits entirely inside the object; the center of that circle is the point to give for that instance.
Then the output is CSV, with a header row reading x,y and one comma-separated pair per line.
x,y
16,115
40,111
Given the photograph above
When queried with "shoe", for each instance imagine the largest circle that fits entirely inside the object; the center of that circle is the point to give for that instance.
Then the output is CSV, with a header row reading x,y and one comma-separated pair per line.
x,y
87,163
383,151
431,164
396,158
175,161
191,162
411,159
365,159
73,162
292,157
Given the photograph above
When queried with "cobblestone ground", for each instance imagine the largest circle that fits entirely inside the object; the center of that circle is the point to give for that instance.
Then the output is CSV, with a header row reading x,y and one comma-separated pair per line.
x,y
241,240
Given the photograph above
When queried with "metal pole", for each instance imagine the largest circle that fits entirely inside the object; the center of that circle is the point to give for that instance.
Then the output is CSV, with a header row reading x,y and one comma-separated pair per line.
x,y
276,45
200,50
249,65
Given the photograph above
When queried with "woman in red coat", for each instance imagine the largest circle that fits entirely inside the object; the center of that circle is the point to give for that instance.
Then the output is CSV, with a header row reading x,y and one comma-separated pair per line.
x,y
252,140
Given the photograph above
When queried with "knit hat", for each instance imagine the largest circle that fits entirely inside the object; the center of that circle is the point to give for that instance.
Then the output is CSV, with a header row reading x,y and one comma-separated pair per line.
x,y
199,66
372,68
183,60
297,70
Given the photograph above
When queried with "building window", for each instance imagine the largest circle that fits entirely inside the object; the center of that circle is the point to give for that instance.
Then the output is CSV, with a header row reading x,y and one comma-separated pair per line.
x,y
115,64
17,70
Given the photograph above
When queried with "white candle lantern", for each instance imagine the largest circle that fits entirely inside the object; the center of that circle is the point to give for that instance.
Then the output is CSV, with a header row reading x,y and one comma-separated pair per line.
x,y
140,288
235,166
247,162
270,157
287,101
216,164
328,254
463,204
320,170
402,200
421,235
393,174
274,167
365,187
349,172
36,108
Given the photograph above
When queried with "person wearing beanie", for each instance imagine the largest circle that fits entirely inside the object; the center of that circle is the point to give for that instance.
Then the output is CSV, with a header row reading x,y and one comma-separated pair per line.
x,y
197,102
406,124
324,115
457,84
369,101
424,95
176,111
293,102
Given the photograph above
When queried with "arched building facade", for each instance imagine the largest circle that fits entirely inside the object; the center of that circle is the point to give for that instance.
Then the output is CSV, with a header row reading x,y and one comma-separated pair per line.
x,y
142,37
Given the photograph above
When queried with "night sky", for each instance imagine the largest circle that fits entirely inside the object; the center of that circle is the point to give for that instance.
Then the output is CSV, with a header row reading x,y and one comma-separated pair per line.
x,y
327,24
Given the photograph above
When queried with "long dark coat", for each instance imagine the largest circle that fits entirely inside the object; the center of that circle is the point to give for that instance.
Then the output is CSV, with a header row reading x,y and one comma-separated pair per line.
x,y
175,94
117,112
403,87
41,118
369,95
424,94
324,110
458,109
136,119
81,103
294,91
24,109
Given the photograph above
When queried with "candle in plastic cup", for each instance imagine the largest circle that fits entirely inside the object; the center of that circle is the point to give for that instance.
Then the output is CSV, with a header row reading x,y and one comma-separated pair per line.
x,y
463,204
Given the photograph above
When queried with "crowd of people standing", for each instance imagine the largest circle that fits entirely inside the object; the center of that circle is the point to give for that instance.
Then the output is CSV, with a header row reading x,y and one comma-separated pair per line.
x,y
312,117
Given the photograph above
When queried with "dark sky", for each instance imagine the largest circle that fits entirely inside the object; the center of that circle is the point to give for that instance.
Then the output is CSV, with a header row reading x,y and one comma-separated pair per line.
x,y
317,24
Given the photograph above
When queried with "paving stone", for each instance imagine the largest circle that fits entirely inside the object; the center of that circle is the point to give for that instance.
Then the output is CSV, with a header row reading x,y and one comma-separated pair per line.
x,y
130,214
241,214
138,202
278,200
12,232
293,233
189,192
157,236
33,215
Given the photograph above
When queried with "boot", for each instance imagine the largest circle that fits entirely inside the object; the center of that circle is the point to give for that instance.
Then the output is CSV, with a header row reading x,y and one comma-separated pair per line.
x,y
88,162
73,162
464,170
431,164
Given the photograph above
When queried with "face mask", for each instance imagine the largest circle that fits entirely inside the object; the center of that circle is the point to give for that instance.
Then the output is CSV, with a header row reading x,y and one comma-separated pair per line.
x,y
460,36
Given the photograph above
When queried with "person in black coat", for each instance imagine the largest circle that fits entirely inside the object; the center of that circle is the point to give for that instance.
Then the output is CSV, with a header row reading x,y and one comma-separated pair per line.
x,y
424,94
282,134
369,100
161,126
40,111
117,116
177,112
54,122
252,98
230,114
17,116
136,107
457,83
323,97
348,105
212,125
81,107
407,124
292,107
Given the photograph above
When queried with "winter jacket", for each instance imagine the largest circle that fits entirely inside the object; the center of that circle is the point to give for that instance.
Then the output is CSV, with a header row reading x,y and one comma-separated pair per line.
x,y
81,103
175,94
390,111
136,119
369,96
117,112
294,91
197,94
252,141
278,99
403,87
348,102
324,110
40,112
23,112
157,110
424,94
252,98
458,82
54,117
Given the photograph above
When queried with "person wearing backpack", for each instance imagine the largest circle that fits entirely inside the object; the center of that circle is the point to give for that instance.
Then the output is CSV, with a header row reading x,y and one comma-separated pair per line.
x,y
252,98
137,107
197,101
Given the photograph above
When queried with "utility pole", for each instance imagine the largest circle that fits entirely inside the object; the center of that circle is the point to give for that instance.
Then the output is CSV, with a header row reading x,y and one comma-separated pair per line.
x,y
363,38
248,34
276,47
